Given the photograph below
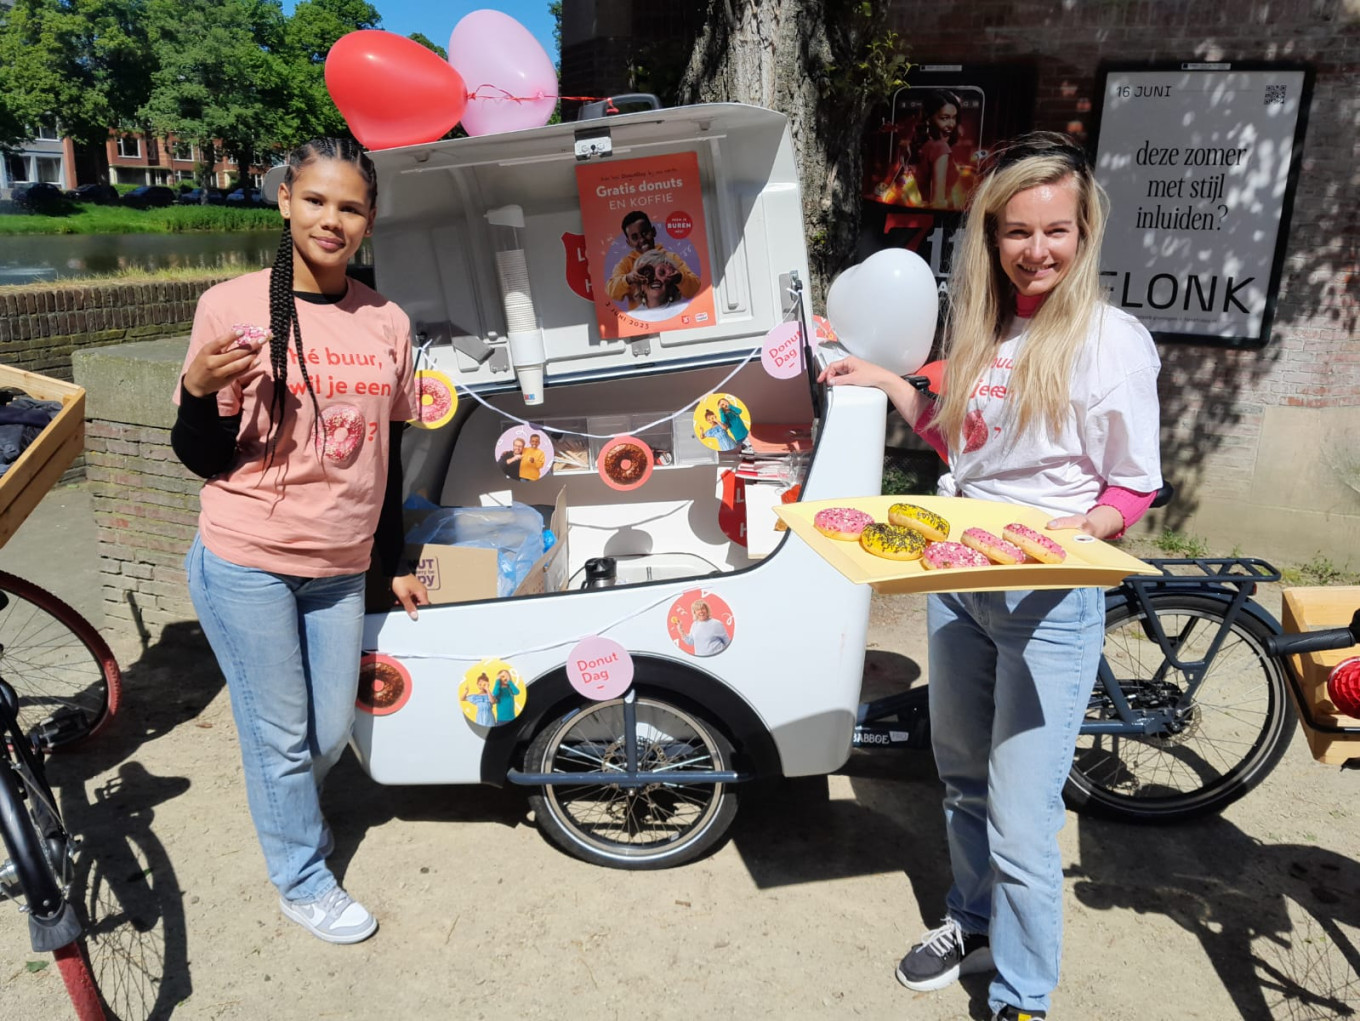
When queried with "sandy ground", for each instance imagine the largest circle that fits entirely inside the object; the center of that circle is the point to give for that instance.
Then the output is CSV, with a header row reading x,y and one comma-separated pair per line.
x,y
804,912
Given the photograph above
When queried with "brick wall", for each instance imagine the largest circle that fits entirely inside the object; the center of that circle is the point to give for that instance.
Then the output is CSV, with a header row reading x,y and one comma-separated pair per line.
x,y
146,507
41,326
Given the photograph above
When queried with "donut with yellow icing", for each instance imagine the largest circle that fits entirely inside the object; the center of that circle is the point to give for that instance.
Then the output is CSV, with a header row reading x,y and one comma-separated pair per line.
x,y
843,523
994,548
1040,547
892,542
928,523
944,556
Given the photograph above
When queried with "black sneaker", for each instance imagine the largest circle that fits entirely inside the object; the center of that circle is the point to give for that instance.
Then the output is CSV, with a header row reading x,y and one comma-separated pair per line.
x,y
1016,1014
942,956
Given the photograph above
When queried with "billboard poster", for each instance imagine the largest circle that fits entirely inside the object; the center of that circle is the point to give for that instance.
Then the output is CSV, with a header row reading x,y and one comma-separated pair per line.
x,y
646,244
1200,162
923,148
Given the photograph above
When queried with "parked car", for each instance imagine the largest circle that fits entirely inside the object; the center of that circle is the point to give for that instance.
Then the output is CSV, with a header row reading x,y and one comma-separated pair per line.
x,y
37,195
194,197
244,197
149,195
102,194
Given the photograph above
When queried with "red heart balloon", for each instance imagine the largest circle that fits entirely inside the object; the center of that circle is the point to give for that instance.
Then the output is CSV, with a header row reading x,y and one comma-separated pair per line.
x,y
392,91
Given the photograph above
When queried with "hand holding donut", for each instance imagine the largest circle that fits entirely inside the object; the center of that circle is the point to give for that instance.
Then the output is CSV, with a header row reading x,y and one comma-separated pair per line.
x,y
410,592
220,362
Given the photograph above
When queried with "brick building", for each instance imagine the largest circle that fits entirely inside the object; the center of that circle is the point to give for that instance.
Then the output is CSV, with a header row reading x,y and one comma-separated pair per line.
x,y
1264,445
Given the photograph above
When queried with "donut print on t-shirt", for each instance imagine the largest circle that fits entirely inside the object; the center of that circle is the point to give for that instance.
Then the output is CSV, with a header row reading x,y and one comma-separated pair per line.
x,y
343,426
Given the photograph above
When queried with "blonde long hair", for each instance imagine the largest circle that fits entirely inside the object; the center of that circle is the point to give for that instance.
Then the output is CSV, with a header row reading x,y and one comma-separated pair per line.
x,y
982,297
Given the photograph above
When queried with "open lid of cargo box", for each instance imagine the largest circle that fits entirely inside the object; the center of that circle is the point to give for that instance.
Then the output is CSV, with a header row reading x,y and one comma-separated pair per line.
x,y
505,249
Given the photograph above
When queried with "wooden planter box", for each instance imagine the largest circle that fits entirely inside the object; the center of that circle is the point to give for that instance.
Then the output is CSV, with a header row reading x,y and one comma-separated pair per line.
x,y
1304,610
41,465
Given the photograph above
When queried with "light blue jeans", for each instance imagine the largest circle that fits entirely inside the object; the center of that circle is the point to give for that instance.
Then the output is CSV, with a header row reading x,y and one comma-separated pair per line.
x,y
1010,677
289,648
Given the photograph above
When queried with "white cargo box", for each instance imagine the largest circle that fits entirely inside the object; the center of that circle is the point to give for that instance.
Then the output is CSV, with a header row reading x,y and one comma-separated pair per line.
x,y
450,216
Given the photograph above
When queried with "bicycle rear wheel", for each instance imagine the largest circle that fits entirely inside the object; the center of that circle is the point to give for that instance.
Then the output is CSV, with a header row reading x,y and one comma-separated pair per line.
x,y
58,664
1224,741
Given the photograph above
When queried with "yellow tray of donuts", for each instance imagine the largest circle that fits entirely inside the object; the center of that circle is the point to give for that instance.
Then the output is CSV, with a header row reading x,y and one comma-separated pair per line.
x,y
1084,560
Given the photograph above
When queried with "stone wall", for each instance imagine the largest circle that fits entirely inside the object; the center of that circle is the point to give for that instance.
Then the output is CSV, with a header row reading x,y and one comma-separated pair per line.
x,y
41,327
145,501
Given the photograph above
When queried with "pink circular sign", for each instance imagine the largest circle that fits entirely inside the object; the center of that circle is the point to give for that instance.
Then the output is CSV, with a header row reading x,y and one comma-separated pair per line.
x,y
782,354
600,668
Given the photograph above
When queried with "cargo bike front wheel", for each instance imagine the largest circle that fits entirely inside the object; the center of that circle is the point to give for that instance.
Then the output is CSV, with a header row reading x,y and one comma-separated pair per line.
x,y
632,783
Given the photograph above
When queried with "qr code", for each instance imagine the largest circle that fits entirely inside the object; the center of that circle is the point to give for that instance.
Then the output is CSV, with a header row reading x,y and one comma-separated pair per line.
x,y
1274,94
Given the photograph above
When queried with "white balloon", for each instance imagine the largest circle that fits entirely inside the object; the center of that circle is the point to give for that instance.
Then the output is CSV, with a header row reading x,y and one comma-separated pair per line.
x,y
884,309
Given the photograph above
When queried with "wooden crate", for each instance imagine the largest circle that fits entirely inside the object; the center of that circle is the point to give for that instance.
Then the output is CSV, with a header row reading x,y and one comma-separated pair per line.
x,y
1307,609
41,465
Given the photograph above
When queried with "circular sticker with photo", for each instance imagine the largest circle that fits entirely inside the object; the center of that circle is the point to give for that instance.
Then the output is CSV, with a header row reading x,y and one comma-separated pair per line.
x,y
625,463
525,453
384,685
436,398
492,693
701,623
722,422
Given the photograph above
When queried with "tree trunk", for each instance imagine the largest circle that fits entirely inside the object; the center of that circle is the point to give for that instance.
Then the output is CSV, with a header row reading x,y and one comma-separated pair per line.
x,y
799,57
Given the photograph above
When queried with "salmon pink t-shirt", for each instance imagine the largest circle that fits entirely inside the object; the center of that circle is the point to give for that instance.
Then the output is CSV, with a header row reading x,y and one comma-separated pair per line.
x,y
313,510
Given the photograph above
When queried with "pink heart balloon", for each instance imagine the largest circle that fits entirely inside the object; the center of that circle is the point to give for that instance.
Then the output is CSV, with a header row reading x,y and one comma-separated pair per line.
x,y
391,90
511,78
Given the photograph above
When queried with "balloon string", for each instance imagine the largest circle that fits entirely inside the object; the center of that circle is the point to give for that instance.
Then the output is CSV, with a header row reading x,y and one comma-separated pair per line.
x,y
546,647
477,93
794,315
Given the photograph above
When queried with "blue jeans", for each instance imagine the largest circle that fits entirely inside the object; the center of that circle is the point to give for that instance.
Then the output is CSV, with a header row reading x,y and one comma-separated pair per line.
x,y
1010,677
289,648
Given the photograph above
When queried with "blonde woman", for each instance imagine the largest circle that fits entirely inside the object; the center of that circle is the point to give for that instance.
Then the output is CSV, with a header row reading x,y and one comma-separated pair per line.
x,y
1050,401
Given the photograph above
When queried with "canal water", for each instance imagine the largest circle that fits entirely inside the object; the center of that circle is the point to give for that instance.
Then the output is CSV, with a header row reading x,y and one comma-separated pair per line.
x,y
35,257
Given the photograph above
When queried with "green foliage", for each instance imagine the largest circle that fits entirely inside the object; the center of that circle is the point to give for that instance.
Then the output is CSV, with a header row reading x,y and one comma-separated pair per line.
x,y
79,61
433,47
1176,544
84,218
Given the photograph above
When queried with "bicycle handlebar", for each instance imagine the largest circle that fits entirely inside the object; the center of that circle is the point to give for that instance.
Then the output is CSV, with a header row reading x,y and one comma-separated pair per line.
x,y
1315,641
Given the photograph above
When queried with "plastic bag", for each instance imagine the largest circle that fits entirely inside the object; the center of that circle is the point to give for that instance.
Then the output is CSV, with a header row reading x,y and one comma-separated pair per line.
x,y
515,532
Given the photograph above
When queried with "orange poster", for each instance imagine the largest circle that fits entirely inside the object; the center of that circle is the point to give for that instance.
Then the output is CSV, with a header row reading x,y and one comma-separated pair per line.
x,y
643,222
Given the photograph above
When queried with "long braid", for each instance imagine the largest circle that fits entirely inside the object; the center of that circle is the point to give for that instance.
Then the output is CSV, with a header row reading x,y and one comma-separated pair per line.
x,y
283,319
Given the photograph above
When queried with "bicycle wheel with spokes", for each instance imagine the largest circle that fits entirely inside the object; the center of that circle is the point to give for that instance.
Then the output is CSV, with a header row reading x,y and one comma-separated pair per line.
x,y
66,678
1225,738
647,827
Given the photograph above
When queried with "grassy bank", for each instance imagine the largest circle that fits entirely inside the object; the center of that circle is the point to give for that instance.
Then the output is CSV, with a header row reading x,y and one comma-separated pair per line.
x,y
85,218
133,276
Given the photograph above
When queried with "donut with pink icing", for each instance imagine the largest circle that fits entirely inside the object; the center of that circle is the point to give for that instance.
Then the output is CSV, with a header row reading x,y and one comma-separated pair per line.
x,y
1040,547
343,426
995,549
844,523
944,556
250,337
434,399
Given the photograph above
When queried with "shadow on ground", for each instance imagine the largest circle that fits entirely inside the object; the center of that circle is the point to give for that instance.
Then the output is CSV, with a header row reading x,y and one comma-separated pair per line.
x,y
125,879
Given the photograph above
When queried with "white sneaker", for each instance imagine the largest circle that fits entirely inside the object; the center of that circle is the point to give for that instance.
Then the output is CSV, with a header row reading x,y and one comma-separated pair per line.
x,y
334,916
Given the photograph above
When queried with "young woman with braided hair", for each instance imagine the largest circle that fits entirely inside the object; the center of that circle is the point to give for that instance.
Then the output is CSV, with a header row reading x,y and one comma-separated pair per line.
x,y
300,446
1050,401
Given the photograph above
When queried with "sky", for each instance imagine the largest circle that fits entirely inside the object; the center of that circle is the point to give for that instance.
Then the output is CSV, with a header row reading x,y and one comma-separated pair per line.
x,y
436,21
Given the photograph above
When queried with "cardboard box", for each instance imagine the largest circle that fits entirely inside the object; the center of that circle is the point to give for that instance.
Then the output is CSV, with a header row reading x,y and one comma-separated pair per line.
x,y
1304,610
462,574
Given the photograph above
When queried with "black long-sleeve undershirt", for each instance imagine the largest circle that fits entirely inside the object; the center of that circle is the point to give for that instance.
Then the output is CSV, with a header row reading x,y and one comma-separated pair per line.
x,y
205,442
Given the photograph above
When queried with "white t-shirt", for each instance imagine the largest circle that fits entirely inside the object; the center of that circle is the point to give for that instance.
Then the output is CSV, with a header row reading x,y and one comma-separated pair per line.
x,y
709,637
1110,438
